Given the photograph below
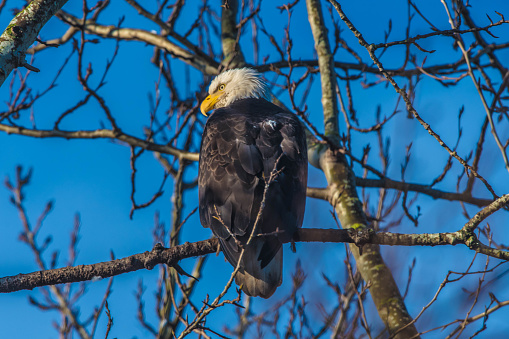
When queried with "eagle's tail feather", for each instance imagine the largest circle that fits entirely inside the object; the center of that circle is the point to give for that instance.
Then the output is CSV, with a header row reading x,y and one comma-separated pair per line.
x,y
257,281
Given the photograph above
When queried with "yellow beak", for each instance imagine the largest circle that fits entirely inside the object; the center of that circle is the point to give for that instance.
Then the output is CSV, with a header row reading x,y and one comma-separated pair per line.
x,y
209,102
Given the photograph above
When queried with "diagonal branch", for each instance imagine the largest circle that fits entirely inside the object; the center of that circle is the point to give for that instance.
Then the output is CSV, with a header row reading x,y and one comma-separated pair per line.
x,y
171,256
449,32
198,60
371,50
22,32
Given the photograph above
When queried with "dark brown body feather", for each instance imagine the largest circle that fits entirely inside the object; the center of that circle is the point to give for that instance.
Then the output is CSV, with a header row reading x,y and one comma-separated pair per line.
x,y
241,145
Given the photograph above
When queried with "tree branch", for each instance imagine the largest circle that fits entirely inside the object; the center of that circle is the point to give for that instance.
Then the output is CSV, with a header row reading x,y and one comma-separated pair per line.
x,y
327,73
171,256
58,41
146,260
383,288
100,134
22,32
201,62
424,189
319,193
371,50
233,56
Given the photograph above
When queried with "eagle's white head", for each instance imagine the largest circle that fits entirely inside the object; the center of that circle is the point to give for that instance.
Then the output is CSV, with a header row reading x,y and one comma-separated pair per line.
x,y
232,85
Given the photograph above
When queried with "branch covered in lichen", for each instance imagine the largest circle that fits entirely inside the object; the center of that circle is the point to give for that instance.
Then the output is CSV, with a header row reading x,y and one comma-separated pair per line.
x,y
233,57
199,61
326,65
366,238
343,195
22,32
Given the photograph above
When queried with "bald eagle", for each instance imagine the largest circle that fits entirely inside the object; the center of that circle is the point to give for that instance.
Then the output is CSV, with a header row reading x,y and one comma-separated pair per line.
x,y
245,140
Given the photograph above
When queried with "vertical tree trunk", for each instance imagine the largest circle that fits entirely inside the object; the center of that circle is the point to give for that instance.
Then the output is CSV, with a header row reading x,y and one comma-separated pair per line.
x,y
233,57
343,194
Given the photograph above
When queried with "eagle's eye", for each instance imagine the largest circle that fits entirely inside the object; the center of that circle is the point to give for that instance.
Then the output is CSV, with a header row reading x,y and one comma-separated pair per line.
x,y
221,87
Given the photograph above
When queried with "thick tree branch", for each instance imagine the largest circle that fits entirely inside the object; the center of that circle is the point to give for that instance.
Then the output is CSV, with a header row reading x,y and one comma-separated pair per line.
x,y
200,61
22,32
171,256
233,57
383,289
501,202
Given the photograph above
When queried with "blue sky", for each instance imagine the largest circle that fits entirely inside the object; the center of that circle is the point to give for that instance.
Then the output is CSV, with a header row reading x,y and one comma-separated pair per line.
x,y
92,177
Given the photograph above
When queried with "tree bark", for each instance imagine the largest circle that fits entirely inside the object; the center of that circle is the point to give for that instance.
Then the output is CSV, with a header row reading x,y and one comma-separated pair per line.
x,y
233,57
343,194
363,237
22,32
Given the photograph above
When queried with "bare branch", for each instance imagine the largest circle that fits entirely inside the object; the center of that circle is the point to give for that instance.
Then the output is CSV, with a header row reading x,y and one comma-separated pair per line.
x,y
171,256
202,62
100,134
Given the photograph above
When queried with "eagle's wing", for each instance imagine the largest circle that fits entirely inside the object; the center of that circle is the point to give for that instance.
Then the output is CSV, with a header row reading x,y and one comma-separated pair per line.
x,y
242,145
